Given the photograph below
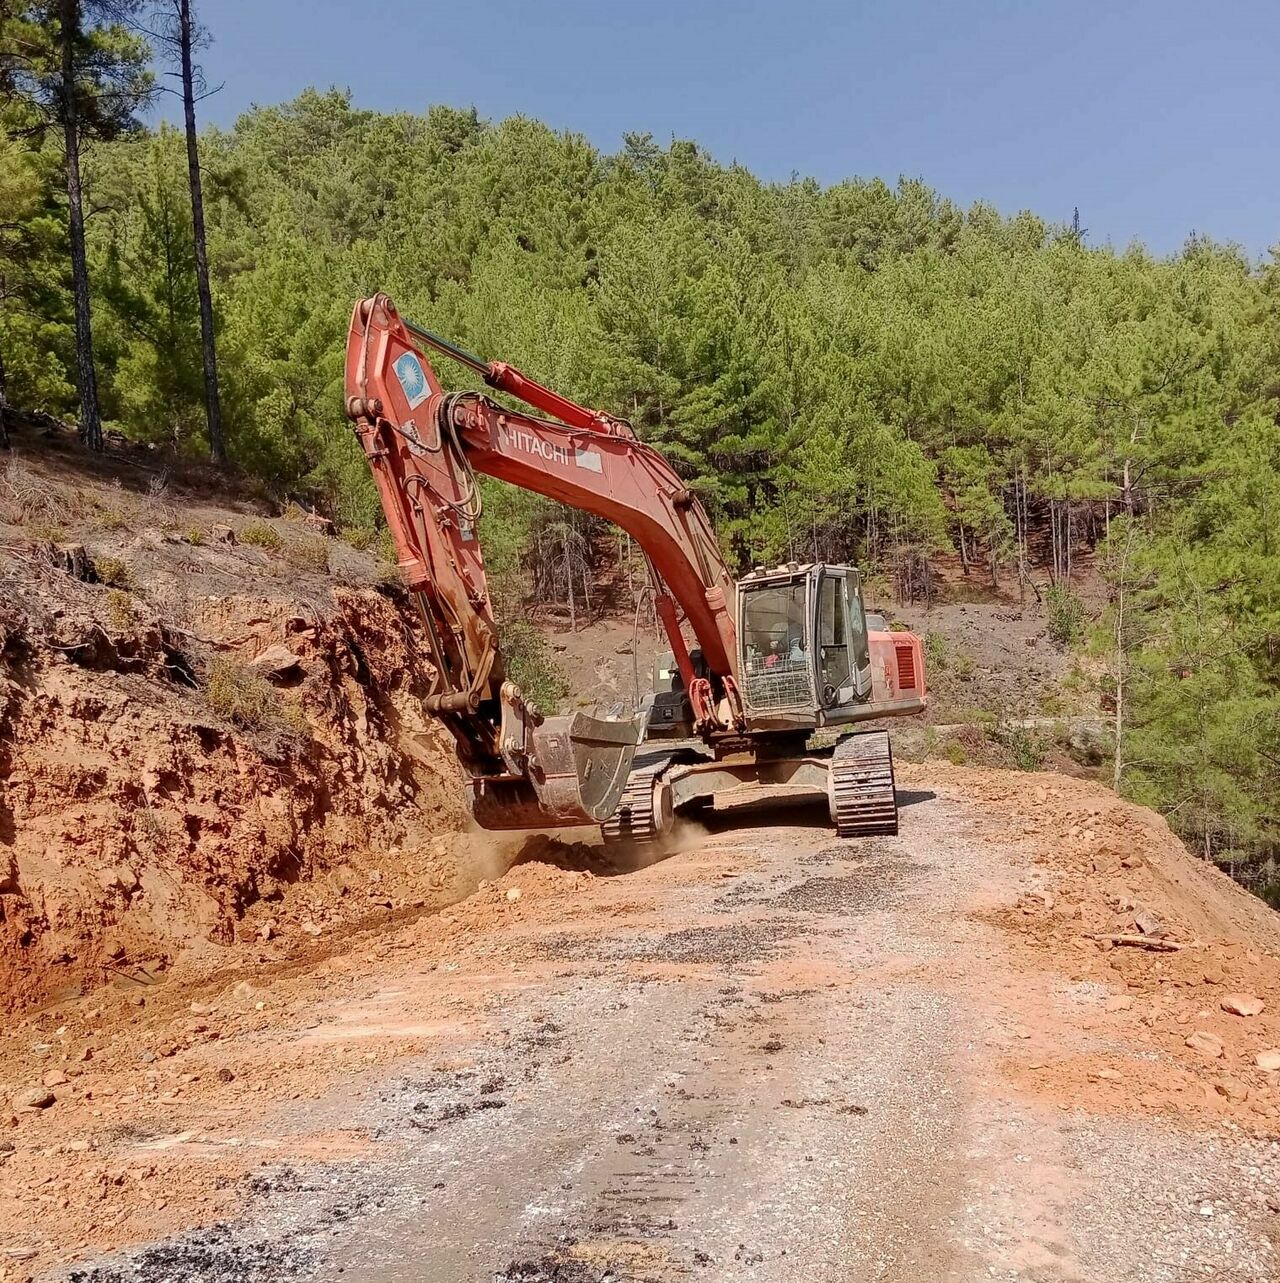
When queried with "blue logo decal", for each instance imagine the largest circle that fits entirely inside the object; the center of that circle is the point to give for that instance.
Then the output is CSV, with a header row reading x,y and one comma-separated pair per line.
x,y
413,379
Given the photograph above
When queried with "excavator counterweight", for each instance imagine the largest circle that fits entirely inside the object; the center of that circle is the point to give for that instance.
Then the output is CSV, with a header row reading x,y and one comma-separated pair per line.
x,y
756,666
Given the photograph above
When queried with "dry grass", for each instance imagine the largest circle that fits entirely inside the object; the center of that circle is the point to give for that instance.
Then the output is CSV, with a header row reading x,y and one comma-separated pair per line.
x,y
308,554
26,500
260,534
158,506
243,697
116,512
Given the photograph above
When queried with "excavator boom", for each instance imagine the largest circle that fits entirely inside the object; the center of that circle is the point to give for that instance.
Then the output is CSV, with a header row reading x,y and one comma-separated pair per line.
x,y
425,448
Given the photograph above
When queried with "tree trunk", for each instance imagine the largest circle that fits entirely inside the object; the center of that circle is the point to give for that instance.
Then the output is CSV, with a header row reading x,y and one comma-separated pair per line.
x,y
1117,770
4,406
90,416
568,574
213,405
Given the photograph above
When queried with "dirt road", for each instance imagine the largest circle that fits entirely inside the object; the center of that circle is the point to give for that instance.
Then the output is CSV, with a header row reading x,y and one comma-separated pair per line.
x,y
775,1056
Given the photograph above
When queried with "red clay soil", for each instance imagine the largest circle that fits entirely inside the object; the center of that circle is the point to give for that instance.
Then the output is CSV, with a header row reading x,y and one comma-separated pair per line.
x,y
223,743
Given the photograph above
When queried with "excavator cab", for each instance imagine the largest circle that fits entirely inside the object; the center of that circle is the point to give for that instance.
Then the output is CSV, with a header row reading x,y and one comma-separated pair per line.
x,y
805,658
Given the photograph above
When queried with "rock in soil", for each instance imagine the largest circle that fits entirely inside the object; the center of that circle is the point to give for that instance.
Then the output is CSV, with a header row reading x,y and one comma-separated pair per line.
x,y
1206,1044
34,1098
1243,1004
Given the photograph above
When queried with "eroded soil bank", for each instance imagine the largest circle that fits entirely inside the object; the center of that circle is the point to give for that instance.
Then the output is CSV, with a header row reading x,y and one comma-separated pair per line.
x,y
211,735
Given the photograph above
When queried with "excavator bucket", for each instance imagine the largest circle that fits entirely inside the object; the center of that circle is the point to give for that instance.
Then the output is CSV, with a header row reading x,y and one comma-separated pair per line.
x,y
575,775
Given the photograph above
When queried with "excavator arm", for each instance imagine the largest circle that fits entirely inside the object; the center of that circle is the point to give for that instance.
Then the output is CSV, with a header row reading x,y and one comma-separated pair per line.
x,y
425,448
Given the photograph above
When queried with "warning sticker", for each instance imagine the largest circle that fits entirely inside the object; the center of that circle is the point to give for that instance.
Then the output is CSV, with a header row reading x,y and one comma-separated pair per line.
x,y
588,459
413,379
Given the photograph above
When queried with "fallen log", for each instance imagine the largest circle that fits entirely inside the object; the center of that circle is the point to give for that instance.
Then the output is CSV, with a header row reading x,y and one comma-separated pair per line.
x,y
1156,943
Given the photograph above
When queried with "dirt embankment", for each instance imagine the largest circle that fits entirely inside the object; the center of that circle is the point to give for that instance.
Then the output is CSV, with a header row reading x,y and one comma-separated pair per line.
x,y
210,732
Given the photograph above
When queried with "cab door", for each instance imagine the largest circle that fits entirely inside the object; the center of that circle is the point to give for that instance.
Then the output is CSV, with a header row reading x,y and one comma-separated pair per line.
x,y
843,655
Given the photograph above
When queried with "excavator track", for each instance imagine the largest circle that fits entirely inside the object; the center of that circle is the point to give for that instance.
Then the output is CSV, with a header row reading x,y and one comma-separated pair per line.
x,y
860,787
644,814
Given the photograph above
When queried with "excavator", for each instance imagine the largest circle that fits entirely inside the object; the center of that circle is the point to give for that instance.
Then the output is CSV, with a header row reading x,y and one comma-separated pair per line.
x,y
757,666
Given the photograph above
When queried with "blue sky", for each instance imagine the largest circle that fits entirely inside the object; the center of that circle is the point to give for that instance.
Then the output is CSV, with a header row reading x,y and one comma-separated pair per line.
x,y
1155,118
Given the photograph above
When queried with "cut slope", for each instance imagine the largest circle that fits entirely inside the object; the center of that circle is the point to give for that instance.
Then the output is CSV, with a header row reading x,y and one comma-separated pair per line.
x,y
224,739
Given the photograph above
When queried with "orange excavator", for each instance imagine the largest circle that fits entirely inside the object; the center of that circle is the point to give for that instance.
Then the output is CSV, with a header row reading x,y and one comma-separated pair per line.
x,y
757,665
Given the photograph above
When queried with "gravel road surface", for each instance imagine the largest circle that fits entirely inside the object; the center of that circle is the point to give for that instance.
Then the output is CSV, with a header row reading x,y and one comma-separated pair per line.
x,y
775,1056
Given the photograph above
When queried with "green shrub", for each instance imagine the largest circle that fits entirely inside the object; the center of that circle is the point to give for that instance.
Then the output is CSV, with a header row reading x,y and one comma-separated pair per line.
x,y
956,754
1024,749
936,653
1065,613
111,517
387,547
46,532
531,665
261,534
359,537
194,536
120,610
113,571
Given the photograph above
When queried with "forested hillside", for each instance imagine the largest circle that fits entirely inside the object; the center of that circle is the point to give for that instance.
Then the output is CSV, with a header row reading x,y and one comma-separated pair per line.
x,y
853,372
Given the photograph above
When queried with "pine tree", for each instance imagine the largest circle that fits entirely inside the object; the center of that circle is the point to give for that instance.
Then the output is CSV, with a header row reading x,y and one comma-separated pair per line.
x,y
83,72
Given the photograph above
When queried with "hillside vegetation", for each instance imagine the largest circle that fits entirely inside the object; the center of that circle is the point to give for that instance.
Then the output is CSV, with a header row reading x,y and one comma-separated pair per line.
x,y
858,372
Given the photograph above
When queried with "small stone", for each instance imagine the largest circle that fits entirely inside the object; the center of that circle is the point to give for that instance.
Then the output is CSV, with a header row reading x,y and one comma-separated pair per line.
x,y
1106,861
1214,976
312,929
226,1076
1149,924
55,1078
1205,1043
200,1009
1242,1004
1119,1002
7,1147
147,1057
1109,1075
513,894
277,662
1268,1061
1234,1091
222,534
34,1098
